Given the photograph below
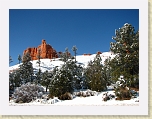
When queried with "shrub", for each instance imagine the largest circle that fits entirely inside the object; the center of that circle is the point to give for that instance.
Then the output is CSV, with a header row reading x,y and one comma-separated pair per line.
x,y
123,93
121,90
107,96
66,96
27,92
86,93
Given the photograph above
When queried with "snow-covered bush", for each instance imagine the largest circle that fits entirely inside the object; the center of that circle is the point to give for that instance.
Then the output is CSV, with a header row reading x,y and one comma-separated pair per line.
x,y
121,90
86,93
106,96
27,92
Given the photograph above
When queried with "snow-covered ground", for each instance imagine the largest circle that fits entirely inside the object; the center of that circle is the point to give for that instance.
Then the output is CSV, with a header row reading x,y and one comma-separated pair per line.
x,y
47,64
96,100
80,101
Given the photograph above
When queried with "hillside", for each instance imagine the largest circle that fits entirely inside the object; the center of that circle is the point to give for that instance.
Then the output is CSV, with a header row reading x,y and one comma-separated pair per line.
x,y
49,64
96,99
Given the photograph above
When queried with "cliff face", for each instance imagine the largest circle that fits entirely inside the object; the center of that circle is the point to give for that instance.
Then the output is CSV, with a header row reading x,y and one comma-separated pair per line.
x,y
46,51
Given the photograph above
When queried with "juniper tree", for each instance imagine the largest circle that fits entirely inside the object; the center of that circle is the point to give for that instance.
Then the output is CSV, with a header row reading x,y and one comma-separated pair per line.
x,y
94,75
126,48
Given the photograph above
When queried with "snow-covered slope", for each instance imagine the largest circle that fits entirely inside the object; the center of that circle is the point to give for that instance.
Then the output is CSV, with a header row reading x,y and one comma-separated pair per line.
x,y
49,64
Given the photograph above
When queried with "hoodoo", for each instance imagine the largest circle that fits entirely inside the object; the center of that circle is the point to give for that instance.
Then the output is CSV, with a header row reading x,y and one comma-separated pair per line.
x,y
46,51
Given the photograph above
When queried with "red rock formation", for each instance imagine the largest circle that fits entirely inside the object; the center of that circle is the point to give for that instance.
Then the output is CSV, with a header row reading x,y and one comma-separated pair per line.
x,y
99,52
46,51
87,54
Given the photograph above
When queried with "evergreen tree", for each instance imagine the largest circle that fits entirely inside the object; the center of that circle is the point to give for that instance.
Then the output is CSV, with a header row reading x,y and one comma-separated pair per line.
x,y
39,57
65,55
14,79
76,71
66,79
61,83
94,75
38,76
46,79
126,48
74,48
26,69
10,59
107,71
19,58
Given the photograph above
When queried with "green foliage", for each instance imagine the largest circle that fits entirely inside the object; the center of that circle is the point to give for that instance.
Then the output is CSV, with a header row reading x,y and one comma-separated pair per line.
x,y
26,69
65,55
26,58
61,83
66,79
106,74
94,75
126,48
38,77
14,80
46,79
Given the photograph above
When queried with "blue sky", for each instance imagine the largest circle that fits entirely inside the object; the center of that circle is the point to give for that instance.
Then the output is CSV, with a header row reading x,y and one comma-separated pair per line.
x,y
91,30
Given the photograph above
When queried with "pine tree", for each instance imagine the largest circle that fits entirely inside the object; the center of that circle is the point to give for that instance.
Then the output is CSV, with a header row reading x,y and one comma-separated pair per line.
x,y
46,79
19,58
61,83
94,75
66,79
107,71
10,59
74,48
76,72
26,69
65,55
39,57
126,48
14,79
38,76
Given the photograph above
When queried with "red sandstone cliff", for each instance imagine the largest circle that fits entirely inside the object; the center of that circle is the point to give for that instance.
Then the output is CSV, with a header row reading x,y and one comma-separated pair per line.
x,y
46,51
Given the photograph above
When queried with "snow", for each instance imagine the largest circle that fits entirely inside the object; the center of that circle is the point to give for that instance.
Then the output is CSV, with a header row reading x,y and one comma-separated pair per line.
x,y
97,99
80,101
49,64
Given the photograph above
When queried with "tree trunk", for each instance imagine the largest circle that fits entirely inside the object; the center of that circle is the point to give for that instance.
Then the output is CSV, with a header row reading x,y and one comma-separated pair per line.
x,y
46,88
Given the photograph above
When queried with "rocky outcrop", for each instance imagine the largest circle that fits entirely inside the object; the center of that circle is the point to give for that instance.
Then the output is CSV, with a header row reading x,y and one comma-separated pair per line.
x,y
45,50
